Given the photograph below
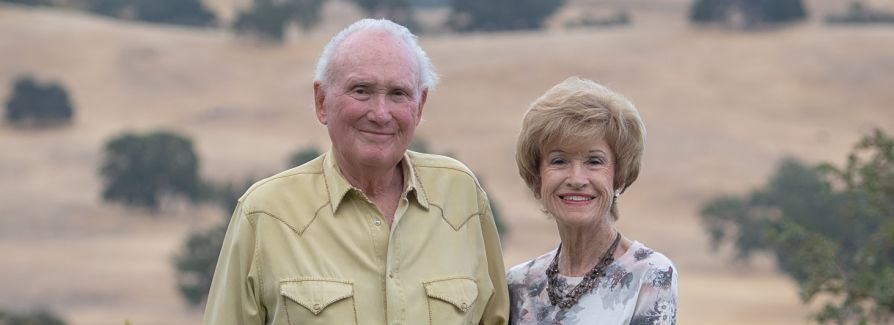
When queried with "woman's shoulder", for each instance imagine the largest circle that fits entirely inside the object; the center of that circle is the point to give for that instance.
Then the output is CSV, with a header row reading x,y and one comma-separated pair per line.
x,y
522,273
641,259
638,253
650,266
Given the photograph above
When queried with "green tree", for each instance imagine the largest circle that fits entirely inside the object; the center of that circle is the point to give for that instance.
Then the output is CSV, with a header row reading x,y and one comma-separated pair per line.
x,y
30,2
302,156
37,317
197,257
830,228
860,13
751,13
497,15
179,12
35,104
139,169
196,260
399,11
269,18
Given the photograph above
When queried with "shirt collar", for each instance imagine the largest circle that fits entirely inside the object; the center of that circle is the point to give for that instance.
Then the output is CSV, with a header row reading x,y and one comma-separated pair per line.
x,y
338,187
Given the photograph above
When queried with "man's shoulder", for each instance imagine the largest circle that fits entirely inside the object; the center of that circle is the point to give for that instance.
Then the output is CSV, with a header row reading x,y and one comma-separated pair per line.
x,y
438,164
305,182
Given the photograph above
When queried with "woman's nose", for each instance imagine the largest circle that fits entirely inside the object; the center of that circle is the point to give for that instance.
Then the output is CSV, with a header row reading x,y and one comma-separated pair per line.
x,y
577,177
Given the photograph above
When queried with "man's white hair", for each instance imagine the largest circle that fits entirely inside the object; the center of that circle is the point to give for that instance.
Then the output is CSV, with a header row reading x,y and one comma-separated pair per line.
x,y
428,78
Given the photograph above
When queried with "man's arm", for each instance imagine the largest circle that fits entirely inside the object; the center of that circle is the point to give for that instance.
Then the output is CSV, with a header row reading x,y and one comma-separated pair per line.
x,y
235,292
497,310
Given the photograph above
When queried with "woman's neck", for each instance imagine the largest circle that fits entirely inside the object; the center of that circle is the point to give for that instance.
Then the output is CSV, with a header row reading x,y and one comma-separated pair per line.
x,y
584,247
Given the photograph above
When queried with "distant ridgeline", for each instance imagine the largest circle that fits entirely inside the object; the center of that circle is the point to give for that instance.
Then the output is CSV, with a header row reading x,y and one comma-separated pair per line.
x,y
270,19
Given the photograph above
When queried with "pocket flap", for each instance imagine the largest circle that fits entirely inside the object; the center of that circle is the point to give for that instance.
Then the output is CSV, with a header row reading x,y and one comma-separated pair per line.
x,y
316,295
459,292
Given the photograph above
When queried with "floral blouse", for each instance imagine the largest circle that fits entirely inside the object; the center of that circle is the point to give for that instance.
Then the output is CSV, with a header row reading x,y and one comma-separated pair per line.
x,y
640,287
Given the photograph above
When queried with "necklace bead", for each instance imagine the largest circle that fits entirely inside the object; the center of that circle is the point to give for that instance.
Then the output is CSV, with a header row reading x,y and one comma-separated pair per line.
x,y
586,285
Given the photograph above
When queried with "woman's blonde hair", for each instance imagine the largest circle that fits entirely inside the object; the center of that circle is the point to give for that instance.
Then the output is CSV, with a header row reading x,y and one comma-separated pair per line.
x,y
578,111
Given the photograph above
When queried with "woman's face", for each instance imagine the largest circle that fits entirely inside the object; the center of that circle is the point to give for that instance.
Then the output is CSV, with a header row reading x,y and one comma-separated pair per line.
x,y
576,182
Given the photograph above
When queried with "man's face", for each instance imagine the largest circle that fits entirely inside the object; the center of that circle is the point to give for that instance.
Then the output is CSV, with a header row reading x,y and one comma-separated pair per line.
x,y
373,102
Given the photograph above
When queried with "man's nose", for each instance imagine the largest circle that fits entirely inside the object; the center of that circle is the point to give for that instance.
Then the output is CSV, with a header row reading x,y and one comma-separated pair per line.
x,y
379,112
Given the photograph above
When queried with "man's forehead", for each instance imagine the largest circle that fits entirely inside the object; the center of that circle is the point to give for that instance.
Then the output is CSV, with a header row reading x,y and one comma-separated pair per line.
x,y
373,42
359,56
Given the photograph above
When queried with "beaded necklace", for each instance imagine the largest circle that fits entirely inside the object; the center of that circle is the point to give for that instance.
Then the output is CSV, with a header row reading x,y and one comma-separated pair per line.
x,y
586,285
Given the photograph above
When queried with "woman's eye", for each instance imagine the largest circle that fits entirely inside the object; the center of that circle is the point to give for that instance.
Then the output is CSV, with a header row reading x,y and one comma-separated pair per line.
x,y
557,161
594,161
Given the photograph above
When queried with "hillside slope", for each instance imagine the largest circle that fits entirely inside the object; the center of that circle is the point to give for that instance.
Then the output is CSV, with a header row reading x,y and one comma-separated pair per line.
x,y
721,109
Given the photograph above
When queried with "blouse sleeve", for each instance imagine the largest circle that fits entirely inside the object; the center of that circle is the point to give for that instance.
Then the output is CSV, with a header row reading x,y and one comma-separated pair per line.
x,y
657,301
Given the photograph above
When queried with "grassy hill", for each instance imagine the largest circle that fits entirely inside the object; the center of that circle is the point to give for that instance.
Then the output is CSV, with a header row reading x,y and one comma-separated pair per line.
x,y
721,109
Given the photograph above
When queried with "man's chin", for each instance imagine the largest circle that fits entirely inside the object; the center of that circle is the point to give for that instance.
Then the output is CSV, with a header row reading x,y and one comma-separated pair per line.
x,y
376,156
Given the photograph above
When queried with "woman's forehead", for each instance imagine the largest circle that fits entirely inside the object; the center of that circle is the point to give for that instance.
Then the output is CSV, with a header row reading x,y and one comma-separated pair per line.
x,y
576,143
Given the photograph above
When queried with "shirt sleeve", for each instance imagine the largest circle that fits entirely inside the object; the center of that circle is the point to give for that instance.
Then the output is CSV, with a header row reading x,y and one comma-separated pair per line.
x,y
497,309
235,292
657,301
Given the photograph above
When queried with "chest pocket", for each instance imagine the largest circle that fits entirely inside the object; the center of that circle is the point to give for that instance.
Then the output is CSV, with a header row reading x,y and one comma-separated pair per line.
x,y
452,300
318,301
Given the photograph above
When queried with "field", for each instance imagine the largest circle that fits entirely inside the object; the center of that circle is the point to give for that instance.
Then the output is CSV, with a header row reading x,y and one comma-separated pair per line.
x,y
721,108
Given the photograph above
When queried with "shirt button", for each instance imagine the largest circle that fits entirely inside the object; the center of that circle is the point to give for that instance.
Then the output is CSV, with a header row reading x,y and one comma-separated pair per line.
x,y
391,275
377,222
317,307
464,307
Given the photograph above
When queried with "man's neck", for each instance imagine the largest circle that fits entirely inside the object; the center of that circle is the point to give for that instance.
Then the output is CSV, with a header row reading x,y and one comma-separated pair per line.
x,y
381,186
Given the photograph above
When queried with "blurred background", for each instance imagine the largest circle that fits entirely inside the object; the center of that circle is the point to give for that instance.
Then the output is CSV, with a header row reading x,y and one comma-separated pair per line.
x,y
131,126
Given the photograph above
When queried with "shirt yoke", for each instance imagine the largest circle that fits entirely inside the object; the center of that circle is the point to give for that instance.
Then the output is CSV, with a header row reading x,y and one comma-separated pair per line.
x,y
294,197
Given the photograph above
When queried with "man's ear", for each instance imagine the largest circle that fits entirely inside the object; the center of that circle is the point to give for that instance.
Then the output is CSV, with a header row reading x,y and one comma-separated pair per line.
x,y
422,99
319,98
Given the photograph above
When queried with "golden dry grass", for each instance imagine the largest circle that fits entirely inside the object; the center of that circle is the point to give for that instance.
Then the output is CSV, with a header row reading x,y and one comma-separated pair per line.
x,y
721,109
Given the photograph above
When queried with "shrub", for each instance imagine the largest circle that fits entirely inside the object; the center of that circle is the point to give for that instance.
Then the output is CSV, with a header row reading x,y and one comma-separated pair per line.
x,y
179,12
197,257
620,18
831,229
747,13
302,156
37,317
858,13
196,260
399,11
269,19
139,169
498,15
33,104
29,2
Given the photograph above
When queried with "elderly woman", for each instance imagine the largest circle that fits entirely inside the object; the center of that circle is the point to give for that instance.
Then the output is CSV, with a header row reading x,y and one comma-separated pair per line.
x,y
580,147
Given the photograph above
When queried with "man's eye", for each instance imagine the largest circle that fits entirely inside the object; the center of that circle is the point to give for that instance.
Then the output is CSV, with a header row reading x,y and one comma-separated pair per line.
x,y
400,96
360,93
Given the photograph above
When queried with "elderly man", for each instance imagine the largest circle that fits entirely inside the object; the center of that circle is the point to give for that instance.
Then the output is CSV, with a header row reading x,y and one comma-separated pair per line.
x,y
367,233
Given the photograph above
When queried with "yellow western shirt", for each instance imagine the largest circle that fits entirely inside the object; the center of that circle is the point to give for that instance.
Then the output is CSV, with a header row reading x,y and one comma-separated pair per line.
x,y
305,247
